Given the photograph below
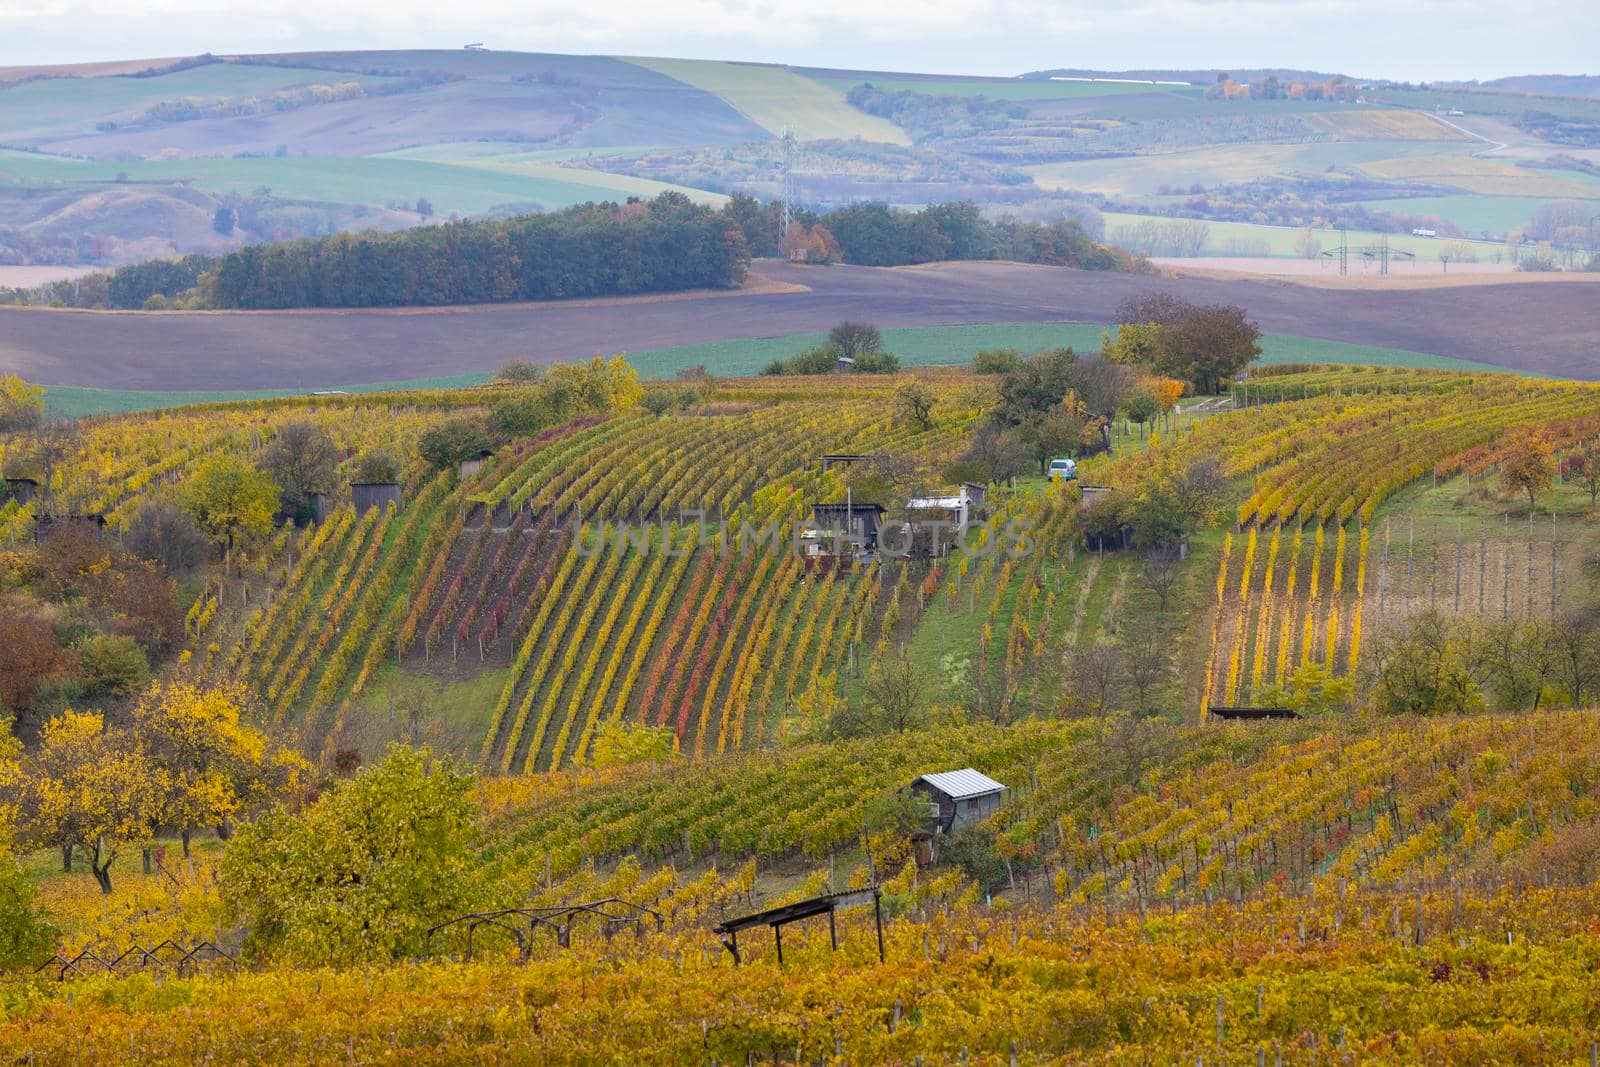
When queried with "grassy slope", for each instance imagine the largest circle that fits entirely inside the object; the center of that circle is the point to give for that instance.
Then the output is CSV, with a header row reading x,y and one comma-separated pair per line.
x,y
993,88
1280,239
1484,177
776,97
918,345
467,188
59,107
1144,175
1474,214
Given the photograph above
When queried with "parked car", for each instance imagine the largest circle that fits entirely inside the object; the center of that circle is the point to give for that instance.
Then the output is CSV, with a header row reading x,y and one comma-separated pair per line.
x,y
1063,470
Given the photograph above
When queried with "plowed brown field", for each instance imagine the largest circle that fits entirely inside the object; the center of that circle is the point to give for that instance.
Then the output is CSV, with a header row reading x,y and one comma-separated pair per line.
x,y
1549,328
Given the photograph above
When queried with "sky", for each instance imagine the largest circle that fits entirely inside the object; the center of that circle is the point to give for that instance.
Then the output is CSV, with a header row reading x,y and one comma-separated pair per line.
x,y
1401,39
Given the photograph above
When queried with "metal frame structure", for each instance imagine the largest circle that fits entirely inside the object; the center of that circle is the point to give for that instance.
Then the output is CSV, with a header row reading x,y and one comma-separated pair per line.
x,y
168,954
777,918
1245,713
614,914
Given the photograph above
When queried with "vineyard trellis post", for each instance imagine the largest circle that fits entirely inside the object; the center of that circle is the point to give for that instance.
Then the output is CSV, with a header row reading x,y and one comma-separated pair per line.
x,y
1554,545
1457,609
1383,572
1527,607
1483,569
1411,546
1505,569
1433,571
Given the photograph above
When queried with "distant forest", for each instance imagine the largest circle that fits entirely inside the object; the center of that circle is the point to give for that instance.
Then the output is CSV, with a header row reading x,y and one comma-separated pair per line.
x,y
660,245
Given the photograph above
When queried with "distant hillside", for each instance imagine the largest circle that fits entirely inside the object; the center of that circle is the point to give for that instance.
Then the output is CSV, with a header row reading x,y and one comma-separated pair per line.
x,y
1551,84
1199,77
110,163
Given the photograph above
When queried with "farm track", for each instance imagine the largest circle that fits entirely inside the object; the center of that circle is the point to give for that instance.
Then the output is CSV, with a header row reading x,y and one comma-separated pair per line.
x,y
1553,329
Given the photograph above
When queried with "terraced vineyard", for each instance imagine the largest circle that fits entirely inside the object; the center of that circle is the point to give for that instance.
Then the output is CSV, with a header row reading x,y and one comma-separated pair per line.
x,y
529,566
1313,557
1402,890
1157,883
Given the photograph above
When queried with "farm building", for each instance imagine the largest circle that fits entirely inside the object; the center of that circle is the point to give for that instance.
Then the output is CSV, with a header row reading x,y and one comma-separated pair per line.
x,y
473,464
959,799
92,523
21,490
369,495
842,531
936,524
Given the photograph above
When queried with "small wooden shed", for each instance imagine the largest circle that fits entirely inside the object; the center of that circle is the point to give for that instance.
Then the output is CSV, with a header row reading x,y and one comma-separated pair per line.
x,y
959,799
854,524
21,490
473,464
369,495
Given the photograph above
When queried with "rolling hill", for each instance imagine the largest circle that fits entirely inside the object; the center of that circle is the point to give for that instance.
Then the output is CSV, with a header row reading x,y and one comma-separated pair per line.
x,y
293,142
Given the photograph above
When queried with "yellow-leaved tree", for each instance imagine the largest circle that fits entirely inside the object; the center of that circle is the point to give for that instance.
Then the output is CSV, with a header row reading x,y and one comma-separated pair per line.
x,y
91,787
623,744
216,764
230,498
21,404
25,935
600,385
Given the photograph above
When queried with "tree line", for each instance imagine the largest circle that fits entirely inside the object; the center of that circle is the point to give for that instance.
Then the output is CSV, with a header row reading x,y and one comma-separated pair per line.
x,y
606,249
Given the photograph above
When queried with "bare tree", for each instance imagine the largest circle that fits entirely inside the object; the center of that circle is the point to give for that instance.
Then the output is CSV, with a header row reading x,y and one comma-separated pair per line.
x,y
1096,673
1159,573
855,339
302,459
916,402
1146,652
1573,641
897,692
1186,238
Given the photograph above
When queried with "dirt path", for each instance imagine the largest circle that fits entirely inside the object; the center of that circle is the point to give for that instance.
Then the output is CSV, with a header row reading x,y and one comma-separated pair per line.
x,y
1079,609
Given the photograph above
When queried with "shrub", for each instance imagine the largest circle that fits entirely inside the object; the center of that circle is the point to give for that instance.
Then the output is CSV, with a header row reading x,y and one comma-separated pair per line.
x,y
376,465
878,363
519,371
162,533
112,666
364,871
996,361
449,443
26,936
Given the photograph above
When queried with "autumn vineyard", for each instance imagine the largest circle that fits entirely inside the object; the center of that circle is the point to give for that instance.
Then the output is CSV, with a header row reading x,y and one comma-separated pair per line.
x,y
1294,695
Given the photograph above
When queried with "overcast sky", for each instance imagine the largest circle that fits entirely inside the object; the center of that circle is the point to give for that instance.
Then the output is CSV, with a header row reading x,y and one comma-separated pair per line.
x,y
1408,39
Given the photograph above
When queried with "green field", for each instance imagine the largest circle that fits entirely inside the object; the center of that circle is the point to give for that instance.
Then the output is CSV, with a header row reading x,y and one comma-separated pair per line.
x,y
1145,175
916,346
1482,177
62,107
993,88
473,151
776,98
467,187
1474,214
1279,241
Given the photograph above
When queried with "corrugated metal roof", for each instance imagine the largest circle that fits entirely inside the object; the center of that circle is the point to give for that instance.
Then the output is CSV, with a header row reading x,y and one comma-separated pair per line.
x,y
959,785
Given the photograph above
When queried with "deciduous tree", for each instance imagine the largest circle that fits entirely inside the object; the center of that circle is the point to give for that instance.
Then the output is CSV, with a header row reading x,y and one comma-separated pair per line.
x,y
21,404
91,787
915,403
364,871
302,459
230,499
1527,466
